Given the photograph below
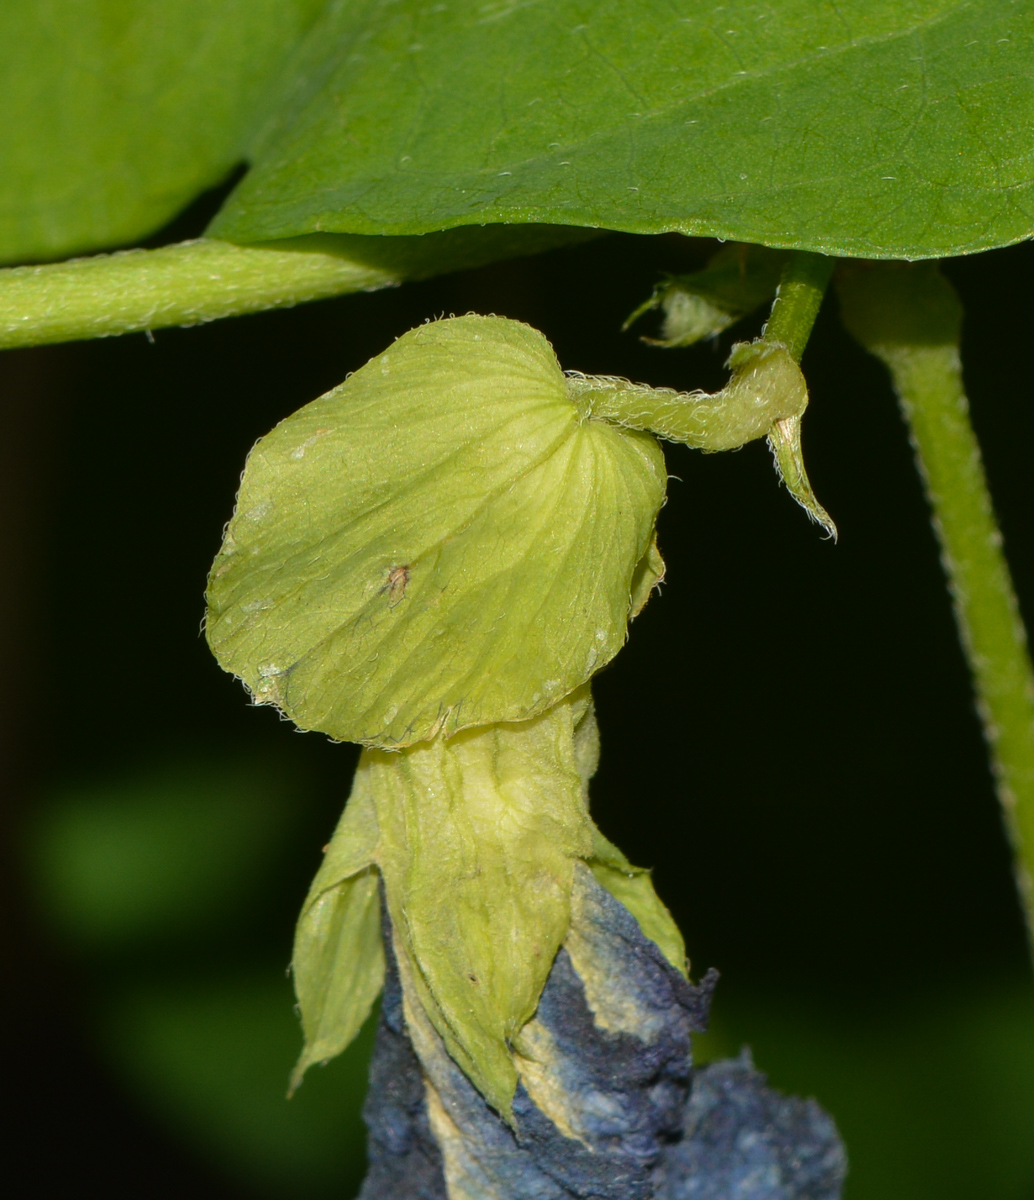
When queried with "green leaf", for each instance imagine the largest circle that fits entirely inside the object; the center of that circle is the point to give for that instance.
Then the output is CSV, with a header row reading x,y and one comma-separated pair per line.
x,y
442,542
114,114
877,128
480,836
338,960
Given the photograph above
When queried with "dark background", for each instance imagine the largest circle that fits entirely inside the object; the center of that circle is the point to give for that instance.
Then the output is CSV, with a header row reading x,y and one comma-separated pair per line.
x,y
788,739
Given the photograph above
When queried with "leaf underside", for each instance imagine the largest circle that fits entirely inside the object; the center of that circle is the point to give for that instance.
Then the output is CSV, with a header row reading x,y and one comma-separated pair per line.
x,y
879,128
873,128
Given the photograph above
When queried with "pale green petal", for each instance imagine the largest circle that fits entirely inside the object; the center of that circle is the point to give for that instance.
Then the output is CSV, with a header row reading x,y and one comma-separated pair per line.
x,y
338,961
420,550
480,836
634,888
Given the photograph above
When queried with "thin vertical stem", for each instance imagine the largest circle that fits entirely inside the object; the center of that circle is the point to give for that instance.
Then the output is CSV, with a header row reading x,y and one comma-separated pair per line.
x,y
798,299
910,318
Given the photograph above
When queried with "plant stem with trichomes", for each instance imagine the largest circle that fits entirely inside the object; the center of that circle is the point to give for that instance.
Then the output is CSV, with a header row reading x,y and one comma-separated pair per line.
x,y
801,288
206,279
910,317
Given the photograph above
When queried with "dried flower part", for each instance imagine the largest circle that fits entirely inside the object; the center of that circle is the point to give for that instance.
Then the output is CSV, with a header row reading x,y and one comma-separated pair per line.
x,y
608,1105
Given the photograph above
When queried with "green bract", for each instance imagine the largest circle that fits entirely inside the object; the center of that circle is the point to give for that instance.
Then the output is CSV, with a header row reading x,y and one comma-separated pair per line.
x,y
422,549
736,281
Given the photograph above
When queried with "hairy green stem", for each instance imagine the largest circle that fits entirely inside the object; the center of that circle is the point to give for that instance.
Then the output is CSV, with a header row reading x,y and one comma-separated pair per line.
x,y
765,397
765,386
910,317
177,285
802,285
206,279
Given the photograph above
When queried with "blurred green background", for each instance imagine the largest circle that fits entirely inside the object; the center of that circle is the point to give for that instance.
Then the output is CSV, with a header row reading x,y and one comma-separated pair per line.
x,y
788,739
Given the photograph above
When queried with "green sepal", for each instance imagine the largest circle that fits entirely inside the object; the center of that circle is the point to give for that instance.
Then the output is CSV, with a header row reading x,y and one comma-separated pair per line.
x,y
338,960
648,575
634,888
784,441
419,551
480,835
736,281
631,885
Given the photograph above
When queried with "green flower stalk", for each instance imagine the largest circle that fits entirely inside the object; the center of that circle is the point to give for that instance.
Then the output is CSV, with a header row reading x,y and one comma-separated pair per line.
x,y
767,393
